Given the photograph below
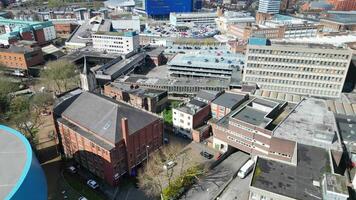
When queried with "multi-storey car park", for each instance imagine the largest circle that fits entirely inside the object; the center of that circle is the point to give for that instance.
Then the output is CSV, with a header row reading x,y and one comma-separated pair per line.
x,y
309,69
203,64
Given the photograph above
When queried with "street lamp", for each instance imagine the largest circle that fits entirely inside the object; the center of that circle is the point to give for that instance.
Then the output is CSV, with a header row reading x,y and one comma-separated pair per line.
x,y
147,153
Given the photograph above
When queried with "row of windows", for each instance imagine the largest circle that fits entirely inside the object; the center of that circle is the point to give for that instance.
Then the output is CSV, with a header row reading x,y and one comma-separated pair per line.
x,y
299,77
296,65
301,54
291,68
297,61
294,89
293,83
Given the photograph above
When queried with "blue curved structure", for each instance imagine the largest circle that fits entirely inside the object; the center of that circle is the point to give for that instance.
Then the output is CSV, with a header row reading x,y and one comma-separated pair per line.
x,y
21,173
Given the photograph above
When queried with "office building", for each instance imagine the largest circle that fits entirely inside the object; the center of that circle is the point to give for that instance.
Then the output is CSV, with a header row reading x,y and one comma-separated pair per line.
x,y
14,30
103,135
204,64
21,57
162,8
192,19
269,6
149,99
116,42
22,176
307,69
249,128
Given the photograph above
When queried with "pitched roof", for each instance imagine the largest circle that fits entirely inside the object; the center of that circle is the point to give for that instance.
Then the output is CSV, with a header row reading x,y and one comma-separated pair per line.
x,y
102,116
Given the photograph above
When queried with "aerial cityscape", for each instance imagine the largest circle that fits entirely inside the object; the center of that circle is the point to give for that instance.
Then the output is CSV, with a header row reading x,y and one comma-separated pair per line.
x,y
178,99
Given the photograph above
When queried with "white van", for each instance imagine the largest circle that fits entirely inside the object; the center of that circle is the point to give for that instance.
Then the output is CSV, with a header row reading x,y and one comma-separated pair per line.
x,y
246,169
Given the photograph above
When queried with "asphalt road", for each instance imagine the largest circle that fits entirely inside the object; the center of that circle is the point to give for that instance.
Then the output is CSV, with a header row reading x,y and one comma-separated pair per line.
x,y
217,179
238,189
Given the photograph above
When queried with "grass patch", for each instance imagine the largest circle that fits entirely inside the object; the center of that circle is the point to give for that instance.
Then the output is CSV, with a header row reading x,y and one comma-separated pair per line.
x,y
78,184
167,112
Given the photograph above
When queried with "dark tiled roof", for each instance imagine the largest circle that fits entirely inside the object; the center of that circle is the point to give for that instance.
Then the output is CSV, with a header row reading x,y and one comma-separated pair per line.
x,y
102,116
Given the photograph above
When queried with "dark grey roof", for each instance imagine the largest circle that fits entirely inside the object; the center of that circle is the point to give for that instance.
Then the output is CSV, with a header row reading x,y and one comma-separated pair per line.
x,y
252,116
87,135
198,103
229,100
103,115
347,127
265,102
207,95
13,158
293,181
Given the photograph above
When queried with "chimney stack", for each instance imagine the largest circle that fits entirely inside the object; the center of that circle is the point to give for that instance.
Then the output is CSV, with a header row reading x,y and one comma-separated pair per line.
x,y
125,129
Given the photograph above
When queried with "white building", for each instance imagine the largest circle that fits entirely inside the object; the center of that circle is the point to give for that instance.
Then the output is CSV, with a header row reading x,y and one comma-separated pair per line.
x,y
191,19
269,6
310,69
231,18
116,42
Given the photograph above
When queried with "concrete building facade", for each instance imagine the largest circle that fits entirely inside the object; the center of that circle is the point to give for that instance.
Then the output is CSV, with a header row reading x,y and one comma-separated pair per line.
x,y
315,70
269,6
116,42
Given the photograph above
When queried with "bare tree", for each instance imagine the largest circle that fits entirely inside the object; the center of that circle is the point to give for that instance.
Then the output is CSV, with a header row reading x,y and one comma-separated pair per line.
x,y
153,178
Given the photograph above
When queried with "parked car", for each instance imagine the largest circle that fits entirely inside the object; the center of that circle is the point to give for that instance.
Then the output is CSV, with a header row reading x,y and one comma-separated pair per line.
x,y
82,198
169,165
206,155
166,140
72,169
93,184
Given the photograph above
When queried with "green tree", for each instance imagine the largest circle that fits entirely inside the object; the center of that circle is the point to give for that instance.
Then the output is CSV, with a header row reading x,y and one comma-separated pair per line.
x,y
60,75
6,87
25,114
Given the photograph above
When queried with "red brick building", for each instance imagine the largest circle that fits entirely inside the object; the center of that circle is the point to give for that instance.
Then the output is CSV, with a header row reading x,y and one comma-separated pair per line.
x,y
249,128
104,136
149,99
64,29
343,5
21,57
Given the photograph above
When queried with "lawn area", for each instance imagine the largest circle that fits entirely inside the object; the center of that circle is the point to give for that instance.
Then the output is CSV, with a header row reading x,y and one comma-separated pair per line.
x,y
78,184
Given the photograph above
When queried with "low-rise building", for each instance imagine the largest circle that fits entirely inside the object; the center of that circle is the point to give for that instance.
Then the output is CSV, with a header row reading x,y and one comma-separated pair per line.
x,y
21,57
14,30
116,42
152,100
64,27
181,86
104,135
277,26
232,18
193,114
339,21
300,181
191,19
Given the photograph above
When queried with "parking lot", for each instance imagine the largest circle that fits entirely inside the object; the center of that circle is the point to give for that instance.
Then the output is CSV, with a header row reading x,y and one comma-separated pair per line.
x,y
196,31
217,179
